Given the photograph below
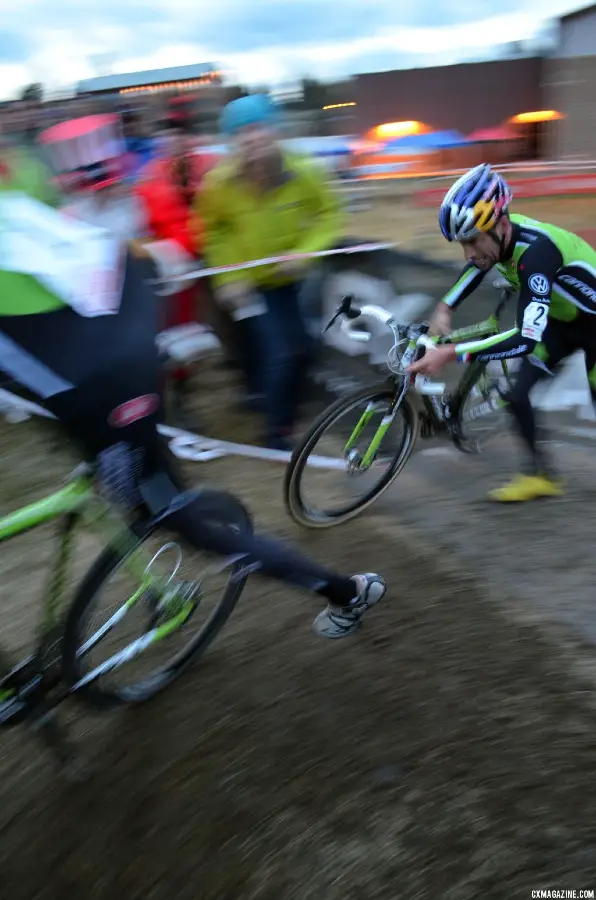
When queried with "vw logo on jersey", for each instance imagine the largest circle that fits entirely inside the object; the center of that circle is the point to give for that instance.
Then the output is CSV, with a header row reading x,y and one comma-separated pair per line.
x,y
539,284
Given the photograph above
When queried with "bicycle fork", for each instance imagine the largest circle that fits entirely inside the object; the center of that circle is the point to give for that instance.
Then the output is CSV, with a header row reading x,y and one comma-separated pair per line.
x,y
370,453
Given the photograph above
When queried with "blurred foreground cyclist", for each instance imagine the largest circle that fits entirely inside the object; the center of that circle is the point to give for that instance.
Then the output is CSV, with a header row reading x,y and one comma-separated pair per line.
x,y
82,342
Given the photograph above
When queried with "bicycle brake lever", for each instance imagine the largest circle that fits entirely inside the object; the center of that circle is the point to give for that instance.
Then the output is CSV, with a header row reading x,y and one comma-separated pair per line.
x,y
331,322
344,308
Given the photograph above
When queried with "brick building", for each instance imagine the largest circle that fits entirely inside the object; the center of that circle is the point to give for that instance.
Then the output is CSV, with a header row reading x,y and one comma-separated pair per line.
x,y
463,97
559,90
569,85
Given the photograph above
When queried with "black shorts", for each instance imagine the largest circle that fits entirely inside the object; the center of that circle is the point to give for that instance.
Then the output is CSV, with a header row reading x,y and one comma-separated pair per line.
x,y
561,339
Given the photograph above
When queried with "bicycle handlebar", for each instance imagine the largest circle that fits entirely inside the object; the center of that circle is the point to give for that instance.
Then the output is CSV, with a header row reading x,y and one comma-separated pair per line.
x,y
368,311
379,314
427,342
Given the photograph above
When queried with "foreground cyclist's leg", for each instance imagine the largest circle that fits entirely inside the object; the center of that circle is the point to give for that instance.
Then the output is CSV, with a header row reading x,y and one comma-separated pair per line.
x,y
539,477
348,597
158,483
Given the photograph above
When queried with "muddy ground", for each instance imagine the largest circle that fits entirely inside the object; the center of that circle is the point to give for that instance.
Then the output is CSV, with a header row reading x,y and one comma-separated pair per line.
x,y
448,750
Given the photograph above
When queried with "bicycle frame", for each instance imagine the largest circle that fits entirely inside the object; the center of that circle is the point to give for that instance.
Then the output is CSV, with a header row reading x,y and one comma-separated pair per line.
x,y
24,685
32,689
486,328
77,502
67,504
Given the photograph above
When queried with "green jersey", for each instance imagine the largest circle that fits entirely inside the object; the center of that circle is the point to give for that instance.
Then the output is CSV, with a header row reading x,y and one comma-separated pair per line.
x,y
554,272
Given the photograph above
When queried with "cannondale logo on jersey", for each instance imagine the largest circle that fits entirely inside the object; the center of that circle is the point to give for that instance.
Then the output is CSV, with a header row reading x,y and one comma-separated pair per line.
x,y
539,284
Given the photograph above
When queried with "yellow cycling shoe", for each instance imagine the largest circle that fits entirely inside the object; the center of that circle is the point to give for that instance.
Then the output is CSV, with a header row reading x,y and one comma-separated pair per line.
x,y
527,487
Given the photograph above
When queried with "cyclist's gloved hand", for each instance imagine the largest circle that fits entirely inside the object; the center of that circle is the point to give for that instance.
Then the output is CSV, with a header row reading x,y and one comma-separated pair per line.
x,y
433,360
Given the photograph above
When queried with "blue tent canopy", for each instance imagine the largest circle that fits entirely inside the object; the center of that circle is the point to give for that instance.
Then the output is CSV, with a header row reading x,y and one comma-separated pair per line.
x,y
434,140
320,146
310,146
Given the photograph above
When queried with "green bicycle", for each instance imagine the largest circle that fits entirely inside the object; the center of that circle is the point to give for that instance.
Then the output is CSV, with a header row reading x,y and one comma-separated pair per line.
x,y
173,616
384,421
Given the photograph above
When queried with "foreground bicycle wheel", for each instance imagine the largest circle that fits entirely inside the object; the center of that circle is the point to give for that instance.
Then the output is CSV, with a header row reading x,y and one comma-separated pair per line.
x,y
481,407
169,618
359,417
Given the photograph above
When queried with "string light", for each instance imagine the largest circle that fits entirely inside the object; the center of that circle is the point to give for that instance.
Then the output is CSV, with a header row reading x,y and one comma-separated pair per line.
x,y
338,105
208,78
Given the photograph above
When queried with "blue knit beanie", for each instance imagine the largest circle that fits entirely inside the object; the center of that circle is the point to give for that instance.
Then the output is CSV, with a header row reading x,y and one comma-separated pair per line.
x,y
256,109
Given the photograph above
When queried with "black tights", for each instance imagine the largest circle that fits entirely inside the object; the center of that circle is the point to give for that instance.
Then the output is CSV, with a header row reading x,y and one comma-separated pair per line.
x,y
145,475
561,340
270,557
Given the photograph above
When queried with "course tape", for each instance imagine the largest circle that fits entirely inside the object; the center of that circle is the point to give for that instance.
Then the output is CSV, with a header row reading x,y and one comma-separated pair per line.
x,y
197,448
272,260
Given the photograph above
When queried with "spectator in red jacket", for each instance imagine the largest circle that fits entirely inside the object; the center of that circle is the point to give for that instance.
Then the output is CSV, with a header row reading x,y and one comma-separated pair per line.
x,y
166,187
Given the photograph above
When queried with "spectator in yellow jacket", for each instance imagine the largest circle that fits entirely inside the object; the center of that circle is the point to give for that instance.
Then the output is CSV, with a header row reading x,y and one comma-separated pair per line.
x,y
263,201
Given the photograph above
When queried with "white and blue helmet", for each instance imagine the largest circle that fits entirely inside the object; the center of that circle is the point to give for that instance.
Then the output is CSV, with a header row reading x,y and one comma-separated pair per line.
x,y
474,204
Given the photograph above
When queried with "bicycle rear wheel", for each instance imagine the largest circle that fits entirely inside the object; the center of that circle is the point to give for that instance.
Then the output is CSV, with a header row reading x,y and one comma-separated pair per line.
x,y
481,407
170,619
344,457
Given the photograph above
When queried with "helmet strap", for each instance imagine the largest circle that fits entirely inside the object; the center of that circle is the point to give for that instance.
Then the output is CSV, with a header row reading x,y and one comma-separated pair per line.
x,y
501,243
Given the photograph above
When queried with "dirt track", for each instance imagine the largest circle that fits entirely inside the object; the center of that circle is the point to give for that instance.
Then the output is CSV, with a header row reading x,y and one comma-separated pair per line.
x,y
446,751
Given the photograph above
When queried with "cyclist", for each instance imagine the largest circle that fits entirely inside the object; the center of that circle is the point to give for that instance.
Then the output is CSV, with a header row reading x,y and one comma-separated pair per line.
x,y
554,272
99,375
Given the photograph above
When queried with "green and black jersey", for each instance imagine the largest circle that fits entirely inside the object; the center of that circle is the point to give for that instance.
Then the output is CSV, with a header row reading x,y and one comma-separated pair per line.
x,y
555,273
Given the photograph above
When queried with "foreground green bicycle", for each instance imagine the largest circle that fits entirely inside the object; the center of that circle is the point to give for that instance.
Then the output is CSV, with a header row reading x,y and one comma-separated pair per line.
x,y
172,615
378,426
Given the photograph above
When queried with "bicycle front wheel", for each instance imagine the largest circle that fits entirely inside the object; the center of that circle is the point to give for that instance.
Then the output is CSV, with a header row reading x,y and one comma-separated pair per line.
x,y
142,614
349,456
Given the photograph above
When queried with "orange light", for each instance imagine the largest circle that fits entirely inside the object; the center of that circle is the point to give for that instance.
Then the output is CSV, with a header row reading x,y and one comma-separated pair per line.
x,y
542,115
397,130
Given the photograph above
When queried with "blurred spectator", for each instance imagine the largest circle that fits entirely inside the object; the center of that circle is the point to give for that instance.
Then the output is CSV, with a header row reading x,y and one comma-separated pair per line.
x,y
88,156
167,188
264,201
24,171
140,145
90,159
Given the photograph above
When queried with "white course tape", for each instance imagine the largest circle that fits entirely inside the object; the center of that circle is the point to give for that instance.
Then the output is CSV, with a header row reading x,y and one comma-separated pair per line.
x,y
17,409
270,260
197,448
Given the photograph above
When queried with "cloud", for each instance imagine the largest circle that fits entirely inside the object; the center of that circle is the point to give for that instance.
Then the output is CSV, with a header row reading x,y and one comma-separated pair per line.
x,y
260,40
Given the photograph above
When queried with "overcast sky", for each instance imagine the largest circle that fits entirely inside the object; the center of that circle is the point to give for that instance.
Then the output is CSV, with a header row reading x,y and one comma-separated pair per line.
x,y
257,41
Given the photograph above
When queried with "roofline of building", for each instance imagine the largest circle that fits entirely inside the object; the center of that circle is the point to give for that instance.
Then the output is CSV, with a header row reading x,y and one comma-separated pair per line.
x,y
484,62
576,13
122,81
